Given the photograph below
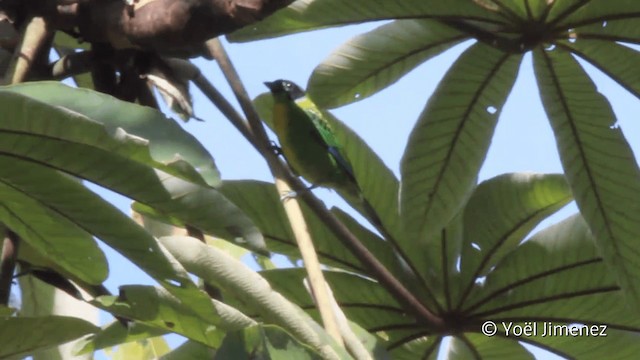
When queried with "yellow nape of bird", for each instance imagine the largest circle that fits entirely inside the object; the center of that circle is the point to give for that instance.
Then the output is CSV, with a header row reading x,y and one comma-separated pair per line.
x,y
308,141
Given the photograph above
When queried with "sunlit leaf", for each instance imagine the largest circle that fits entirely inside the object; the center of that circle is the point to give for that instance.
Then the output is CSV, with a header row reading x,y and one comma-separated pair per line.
x,y
372,61
450,140
598,162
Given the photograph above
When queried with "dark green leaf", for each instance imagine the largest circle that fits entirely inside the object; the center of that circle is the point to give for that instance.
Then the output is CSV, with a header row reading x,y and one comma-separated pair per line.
x,y
501,212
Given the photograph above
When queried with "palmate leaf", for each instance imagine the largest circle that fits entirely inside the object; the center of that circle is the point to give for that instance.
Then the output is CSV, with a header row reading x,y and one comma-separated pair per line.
x,y
557,276
617,61
598,162
25,335
541,279
305,15
372,61
498,216
450,140
106,146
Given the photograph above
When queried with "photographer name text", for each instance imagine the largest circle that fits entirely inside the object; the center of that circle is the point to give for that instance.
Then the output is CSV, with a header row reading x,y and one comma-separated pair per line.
x,y
542,329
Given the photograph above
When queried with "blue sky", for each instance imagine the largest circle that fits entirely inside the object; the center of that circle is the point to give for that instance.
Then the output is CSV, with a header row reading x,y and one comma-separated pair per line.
x,y
523,140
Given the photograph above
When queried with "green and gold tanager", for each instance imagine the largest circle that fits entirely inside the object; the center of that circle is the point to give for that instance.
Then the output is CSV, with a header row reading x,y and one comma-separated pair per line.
x,y
308,143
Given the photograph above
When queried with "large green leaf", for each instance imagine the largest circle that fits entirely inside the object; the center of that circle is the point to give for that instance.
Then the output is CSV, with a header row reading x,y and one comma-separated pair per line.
x,y
230,275
25,335
263,342
500,213
615,60
556,275
305,15
156,307
598,162
106,149
116,333
450,140
370,62
167,143
50,234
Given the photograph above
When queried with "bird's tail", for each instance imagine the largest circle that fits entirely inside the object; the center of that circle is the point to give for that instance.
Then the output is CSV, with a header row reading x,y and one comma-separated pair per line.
x,y
355,198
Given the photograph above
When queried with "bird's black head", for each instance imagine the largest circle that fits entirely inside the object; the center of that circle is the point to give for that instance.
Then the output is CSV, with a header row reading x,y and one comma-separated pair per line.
x,y
285,87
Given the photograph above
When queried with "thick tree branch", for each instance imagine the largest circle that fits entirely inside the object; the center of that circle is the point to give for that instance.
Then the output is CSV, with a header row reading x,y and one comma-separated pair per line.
x,y
169,27
35,36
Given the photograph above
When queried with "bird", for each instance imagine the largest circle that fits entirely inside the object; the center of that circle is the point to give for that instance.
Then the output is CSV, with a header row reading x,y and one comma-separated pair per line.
x,y
308,142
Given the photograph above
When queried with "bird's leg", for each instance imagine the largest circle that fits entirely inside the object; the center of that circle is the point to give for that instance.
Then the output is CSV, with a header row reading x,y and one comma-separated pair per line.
x,y
292,194
275,148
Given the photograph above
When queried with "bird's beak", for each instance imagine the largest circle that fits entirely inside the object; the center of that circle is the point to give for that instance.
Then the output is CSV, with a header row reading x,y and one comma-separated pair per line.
x,y
270,85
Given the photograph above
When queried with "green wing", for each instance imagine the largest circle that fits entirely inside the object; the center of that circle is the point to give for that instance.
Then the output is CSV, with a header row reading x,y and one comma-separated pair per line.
x,y
327,137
